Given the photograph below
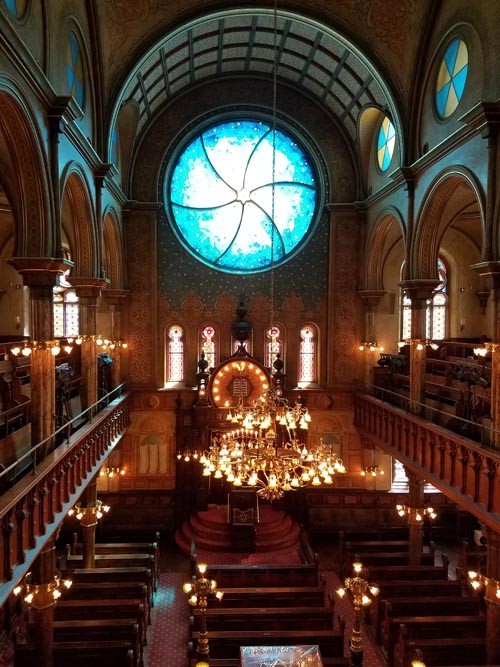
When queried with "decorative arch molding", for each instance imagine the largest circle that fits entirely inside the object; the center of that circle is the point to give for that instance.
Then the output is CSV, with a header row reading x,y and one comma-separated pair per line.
x,y
377,245
430,225
113,248
25,175
81,228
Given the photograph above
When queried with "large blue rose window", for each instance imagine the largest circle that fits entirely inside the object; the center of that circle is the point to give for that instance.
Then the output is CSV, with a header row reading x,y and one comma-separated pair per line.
x,y
242,196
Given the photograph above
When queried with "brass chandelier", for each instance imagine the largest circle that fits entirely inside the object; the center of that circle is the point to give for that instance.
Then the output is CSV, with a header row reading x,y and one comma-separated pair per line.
x,y
266,451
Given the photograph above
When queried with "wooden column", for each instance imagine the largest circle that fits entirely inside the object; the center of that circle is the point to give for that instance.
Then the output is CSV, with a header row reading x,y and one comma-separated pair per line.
x,y
116,300
41,275
492,602
415,528
490,274
419,291
88,525
42,606
88,290
370,300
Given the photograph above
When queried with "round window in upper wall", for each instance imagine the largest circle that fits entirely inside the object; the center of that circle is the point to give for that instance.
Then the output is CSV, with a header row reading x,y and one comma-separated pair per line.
x,y
74,69
17,8
451,78
242,197
385,144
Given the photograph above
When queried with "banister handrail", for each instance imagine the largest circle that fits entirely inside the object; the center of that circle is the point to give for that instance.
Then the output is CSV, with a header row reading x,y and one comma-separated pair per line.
x,y
33,452
404,403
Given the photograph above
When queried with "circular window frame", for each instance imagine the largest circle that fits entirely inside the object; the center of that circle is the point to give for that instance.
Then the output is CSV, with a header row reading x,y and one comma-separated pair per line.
x,y
19,20
443,50
292,130
73,30
384,115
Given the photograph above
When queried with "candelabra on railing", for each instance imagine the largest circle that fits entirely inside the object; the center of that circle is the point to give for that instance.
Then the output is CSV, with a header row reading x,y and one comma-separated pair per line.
x,y
415,513
41,596
359,588
89,515
198,589
492,586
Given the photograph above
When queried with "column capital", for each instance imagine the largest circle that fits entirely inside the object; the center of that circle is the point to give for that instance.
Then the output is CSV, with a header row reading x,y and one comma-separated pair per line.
x,y
115,297
370,298
490,272
419,289
88,286
40,271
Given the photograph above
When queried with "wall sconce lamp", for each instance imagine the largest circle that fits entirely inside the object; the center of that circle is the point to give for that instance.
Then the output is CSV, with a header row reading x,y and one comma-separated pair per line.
x,y
477,580
420,344
111,472
371,471
370,346
417,514
186,455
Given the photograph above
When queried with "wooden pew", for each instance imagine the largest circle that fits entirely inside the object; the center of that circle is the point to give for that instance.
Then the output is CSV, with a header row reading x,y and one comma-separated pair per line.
x,y
400,588
108,575
68,610
226,644
382,558
381,573
108,653
388,628
100,630
152,548
119,590
246,576
275,596
270,618
443,652
436,627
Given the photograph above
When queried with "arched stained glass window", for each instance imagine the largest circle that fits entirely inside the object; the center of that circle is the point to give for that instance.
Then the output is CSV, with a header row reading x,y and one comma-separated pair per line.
x,y
74,69
242,197
436,313
17,8
436,310
66,306
385,144
208,345
175,354
308,355
274,345
115,147
451,78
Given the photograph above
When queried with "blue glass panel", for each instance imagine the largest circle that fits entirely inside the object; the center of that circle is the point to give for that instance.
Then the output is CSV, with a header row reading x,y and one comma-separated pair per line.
x,y
459,81
223,201
11,6
451,55
381,138
79,92
441,98
75,51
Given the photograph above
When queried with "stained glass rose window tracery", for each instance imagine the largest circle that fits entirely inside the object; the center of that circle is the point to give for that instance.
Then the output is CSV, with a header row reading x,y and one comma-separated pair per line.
x,y
234,207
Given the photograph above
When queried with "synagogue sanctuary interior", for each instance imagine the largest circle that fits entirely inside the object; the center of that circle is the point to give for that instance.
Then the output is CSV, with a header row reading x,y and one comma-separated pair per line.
x,y
249,333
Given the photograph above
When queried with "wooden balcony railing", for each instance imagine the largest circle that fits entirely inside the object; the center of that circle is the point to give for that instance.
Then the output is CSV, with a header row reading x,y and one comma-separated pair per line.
x,y
466,472
32,510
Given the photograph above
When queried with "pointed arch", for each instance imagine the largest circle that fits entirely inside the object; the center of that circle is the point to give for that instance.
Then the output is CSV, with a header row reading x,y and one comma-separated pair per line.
x,y
78,222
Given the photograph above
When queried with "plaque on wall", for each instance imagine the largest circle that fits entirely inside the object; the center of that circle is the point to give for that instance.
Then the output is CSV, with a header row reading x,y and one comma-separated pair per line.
x,y
280,656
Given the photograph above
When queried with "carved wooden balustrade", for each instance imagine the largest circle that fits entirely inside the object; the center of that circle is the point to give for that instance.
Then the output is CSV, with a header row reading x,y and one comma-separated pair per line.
x,y
32,511
464,471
